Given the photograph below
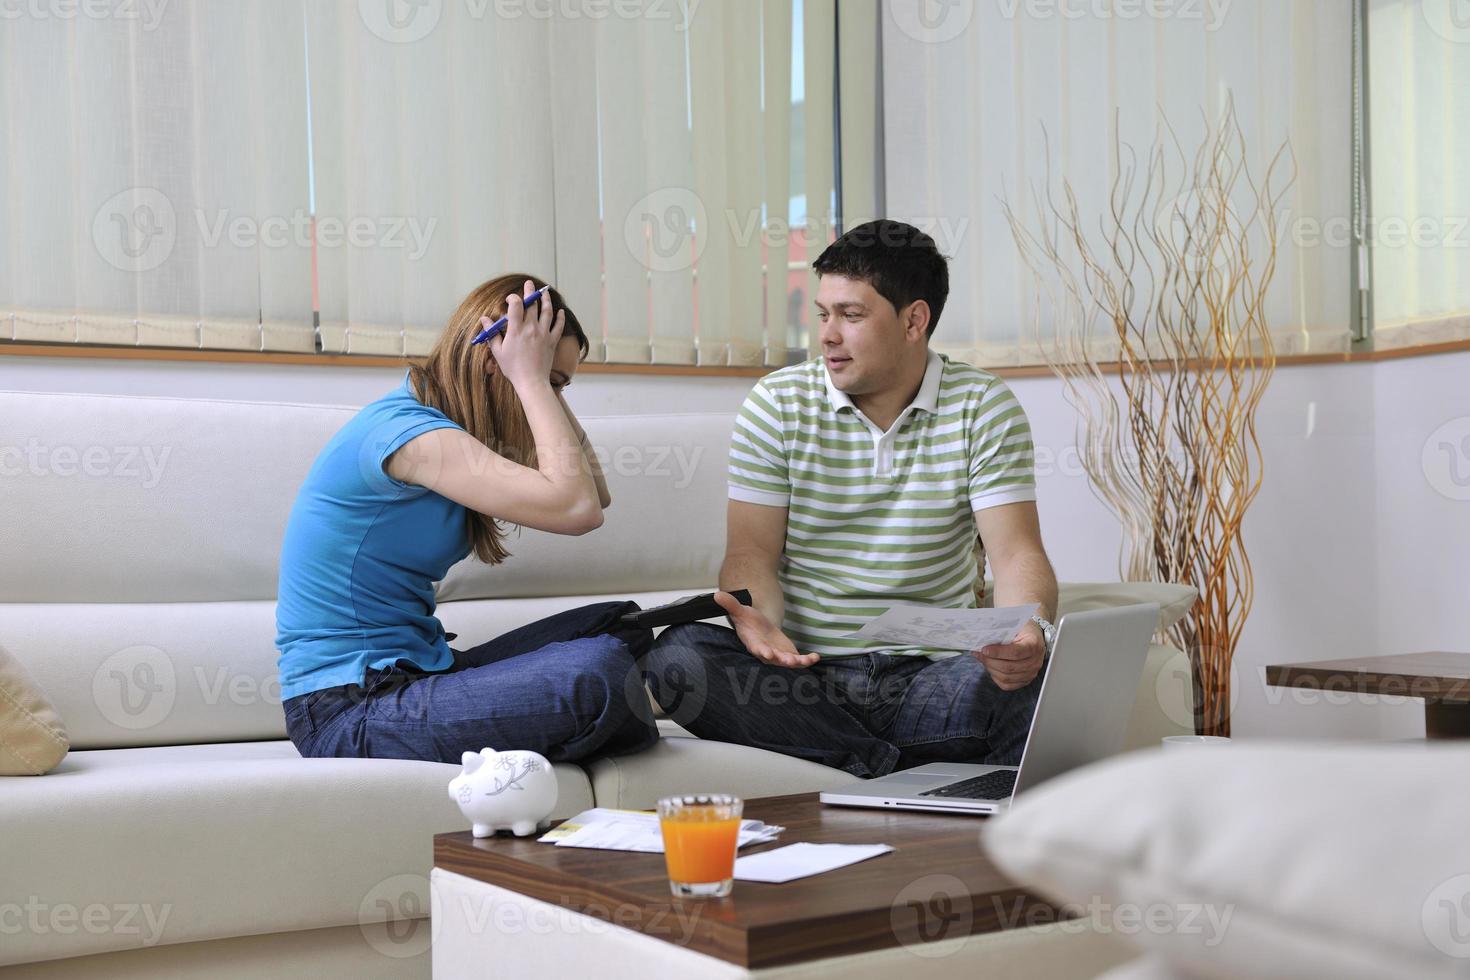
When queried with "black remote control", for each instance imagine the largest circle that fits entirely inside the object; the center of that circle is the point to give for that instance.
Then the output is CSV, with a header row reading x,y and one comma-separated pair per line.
x,y
689,609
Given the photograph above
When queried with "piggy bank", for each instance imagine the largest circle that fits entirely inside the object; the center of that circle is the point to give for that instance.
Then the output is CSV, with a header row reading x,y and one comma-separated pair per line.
x,y
512,791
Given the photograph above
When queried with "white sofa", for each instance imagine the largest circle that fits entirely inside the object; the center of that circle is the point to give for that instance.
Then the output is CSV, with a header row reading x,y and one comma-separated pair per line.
x,y
184,834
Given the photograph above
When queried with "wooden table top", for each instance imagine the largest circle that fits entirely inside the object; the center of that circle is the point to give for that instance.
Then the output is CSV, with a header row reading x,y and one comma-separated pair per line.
x,y
1436,675
936,884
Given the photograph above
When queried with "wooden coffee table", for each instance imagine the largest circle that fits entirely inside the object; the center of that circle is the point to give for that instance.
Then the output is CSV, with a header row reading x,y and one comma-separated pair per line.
x,y
1441,679
937,885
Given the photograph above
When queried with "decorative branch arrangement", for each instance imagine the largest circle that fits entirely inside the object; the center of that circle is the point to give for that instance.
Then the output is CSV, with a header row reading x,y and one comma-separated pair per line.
x,y
1172,287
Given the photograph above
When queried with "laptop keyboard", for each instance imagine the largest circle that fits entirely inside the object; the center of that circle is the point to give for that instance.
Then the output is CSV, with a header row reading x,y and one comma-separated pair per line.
x,y
997,785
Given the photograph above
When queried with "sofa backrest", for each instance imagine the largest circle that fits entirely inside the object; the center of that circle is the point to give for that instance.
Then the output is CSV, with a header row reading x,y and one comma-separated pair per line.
x,y
142,536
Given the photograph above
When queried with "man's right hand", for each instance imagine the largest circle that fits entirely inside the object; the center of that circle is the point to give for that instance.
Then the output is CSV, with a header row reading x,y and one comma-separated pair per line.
x,y
764,640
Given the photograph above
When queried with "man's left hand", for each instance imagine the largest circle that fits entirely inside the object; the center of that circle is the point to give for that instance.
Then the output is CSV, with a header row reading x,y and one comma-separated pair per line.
x,y
1015,664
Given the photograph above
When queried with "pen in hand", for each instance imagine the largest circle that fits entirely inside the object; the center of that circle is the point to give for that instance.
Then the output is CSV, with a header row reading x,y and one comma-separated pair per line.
x,y
499,325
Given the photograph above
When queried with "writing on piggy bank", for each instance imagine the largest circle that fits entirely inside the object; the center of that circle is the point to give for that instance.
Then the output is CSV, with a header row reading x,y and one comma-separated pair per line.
x,y
513,791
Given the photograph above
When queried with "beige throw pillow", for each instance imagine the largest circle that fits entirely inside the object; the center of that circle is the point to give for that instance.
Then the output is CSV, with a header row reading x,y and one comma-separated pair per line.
x,y
32,738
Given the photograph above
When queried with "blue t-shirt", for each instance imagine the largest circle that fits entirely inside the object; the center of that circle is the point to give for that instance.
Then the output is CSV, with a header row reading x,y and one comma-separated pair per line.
x,y
362,553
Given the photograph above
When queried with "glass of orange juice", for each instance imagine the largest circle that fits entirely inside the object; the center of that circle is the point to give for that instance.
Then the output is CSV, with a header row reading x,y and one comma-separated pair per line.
x,y
700,835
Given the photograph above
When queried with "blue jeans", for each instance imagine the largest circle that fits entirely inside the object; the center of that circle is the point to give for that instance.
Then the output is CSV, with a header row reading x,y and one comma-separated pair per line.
x,y
867,714
567,686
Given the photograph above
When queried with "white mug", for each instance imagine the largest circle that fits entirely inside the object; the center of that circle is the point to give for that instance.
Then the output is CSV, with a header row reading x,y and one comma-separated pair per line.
x,y
1190,741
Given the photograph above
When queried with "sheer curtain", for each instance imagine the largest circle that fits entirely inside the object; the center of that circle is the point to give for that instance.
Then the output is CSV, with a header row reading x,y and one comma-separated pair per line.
x,y
1419,113
638,159
220,177
980,101
432,162
154,178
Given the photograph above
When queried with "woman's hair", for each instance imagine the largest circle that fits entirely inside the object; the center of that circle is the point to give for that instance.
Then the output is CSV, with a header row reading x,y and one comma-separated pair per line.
x,y
454,380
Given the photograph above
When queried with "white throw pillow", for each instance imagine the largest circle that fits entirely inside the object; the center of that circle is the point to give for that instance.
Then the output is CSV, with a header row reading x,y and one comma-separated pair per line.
x,y
1266,860
1144,968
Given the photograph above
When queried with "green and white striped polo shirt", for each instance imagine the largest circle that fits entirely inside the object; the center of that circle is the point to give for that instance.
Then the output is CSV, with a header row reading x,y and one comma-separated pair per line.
x,y
878,518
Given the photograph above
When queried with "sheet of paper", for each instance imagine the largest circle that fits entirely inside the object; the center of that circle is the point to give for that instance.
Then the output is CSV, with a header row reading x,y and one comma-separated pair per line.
x,y
947,629
635,830
803,860
598,814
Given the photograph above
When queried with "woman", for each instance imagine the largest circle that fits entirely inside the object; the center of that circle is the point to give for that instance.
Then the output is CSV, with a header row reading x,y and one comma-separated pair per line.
x,y
415,481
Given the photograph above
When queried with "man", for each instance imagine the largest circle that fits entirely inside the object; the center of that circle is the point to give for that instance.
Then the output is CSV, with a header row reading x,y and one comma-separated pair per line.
x,y
858,481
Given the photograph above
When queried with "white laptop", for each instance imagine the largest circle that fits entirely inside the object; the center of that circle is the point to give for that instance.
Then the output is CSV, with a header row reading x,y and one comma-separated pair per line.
x,y
1081,716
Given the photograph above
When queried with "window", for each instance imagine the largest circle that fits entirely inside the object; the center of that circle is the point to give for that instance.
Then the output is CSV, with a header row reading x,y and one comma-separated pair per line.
x,y
1416,229
991,103
291,176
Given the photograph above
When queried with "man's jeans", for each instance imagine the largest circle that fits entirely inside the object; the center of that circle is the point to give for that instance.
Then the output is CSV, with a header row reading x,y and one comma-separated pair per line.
x,y
867,714
567,687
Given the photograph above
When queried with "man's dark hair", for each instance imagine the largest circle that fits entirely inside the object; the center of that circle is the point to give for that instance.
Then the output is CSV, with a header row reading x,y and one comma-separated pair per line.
x,y
899,261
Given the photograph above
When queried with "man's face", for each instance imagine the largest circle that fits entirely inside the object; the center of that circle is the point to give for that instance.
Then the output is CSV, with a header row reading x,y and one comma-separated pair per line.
x,y
863,340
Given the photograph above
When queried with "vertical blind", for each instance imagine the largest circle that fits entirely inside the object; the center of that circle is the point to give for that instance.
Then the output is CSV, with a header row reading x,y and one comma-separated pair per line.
x,y
230,173
986,101
139,163
1419,200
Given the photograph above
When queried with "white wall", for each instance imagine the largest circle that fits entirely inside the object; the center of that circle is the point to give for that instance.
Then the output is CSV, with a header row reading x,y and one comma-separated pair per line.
x,y
1358,547
590,394
1421,471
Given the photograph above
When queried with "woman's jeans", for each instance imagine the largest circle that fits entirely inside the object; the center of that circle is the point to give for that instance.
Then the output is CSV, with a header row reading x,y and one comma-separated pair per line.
x,y
568,687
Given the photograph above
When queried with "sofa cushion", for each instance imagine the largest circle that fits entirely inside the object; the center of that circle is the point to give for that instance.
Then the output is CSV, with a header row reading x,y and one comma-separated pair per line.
x,y
169,673
32,738
1164,702
198,492
1174,601
197,842
1268,860
693,765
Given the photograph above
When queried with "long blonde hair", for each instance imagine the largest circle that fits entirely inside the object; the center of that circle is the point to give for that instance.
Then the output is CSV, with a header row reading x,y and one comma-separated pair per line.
x,y
454,380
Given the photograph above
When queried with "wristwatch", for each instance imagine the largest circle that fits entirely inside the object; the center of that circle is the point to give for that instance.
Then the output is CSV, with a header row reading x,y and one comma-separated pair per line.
x,y
1048,632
